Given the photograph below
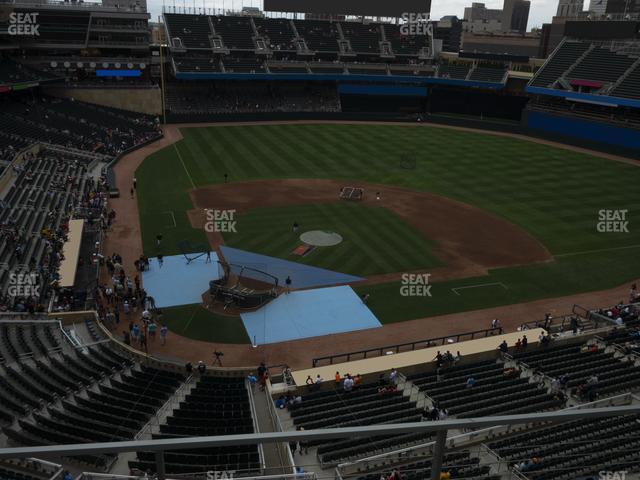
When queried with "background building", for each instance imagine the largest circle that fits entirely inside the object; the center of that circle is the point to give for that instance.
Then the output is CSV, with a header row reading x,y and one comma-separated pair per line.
x,y
515,15
570,8
449,30
502,43
478,11
598,7
624,7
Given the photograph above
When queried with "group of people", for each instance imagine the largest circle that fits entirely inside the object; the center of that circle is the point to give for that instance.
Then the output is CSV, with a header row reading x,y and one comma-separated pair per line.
x,y
262,375
447,359
620,313
289,401
434,413
201,367
124,296
82,200
139,334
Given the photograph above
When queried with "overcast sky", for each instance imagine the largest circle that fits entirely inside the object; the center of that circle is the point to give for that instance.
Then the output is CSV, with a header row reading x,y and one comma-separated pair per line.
x,y
541,10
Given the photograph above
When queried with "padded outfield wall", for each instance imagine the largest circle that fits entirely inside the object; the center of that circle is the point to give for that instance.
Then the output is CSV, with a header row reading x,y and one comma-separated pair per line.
x,y
583,132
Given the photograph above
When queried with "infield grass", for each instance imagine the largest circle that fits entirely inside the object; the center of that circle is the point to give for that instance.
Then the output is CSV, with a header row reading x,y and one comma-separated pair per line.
x,y
375,240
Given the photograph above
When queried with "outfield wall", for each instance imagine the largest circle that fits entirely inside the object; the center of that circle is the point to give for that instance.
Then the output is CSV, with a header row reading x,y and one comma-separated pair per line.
x,y
600,142
142,100
584,133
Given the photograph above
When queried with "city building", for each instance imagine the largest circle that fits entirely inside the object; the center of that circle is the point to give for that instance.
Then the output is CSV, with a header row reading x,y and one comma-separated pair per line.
x,y
570,8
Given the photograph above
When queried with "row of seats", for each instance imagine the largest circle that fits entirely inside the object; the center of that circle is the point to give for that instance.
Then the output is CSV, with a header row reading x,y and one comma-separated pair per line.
x,y
235,64
321,36
458,465
494,391
78,396
74,124
365,405
583,61
26,340
226,403
12,72
565,56
629,87
601,65
575,449
27,469
579,364
36,211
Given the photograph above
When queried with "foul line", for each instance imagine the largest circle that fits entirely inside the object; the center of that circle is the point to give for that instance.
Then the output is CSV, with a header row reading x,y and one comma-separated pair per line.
x,y
628,247
173,217
193,313
193,185
455,290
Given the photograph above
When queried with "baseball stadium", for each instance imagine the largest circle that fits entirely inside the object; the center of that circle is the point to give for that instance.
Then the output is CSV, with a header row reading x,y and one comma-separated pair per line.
x,y
316,239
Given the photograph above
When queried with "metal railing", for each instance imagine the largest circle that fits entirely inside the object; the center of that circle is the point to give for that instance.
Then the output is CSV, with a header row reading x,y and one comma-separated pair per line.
x,y
466,437
277,424
407,347
154,421
159,447
254,418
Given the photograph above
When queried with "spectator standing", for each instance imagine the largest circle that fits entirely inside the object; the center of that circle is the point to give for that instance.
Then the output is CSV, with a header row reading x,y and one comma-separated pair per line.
x,y
202,368
135,332
163,334
152,330
504,348
348,383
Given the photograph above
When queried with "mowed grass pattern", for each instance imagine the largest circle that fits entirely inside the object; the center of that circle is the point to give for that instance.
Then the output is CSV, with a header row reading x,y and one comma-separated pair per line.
x,y
554,194
375,240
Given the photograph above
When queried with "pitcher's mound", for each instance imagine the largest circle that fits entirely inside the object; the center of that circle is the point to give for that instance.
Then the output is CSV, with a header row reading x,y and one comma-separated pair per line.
x,y
321,238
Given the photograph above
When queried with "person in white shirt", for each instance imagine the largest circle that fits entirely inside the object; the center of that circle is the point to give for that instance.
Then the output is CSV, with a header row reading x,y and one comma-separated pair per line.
x,y
348,383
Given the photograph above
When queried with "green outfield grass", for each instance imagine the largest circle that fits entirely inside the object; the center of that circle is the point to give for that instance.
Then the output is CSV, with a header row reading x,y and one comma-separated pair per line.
x,y
375,240
552,193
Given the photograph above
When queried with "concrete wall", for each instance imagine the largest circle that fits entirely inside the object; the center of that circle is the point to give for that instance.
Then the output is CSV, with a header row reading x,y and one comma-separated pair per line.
x,y
143,100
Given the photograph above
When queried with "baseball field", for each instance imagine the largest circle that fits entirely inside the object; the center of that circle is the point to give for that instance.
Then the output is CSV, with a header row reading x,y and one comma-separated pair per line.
x,y
495,220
